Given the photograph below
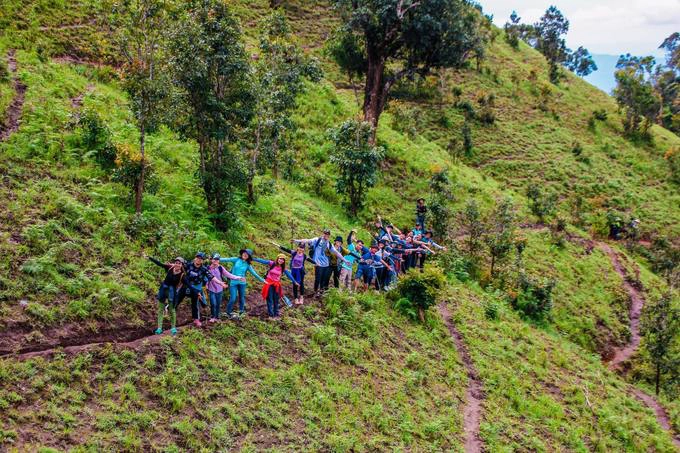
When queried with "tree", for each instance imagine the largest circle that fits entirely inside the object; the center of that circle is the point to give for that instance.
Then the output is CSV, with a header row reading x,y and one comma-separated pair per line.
x,y
403,39
549,32
541,204
279,74
441,197
139,27
635,94
211,68
500,233
513,30
667,84
472,226
661,330
581,62
356,160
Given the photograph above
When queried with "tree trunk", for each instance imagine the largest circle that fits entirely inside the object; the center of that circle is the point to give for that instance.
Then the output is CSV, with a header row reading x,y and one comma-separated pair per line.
x,y
140,182
374,92
421,314
253,166
658,379
493,264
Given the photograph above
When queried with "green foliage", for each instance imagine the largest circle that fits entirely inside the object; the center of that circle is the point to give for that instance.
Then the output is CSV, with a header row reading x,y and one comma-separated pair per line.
x,y
95,137
356,160
512,30
541,202
473,227
420,289
635,94
500,233
661,330
129,167
467,139
534,298
673,159
441,197
4,70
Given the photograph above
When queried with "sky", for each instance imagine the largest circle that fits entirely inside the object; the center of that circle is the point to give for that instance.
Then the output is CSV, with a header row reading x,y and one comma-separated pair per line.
x,y
611,27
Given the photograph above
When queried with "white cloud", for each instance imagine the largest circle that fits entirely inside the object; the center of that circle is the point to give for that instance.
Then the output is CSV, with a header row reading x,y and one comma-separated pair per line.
x,y
603,26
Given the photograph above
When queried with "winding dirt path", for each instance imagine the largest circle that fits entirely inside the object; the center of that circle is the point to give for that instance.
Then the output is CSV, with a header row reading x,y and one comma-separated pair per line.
x,y
624,353
11,122
472,413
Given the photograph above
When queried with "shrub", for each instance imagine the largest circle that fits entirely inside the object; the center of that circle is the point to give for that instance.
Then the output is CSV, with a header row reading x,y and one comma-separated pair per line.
x,y
129,169
467,139
4,71
542,204
420,289
468,109
95,137
534,298
600,115
576,149
491,309
673,159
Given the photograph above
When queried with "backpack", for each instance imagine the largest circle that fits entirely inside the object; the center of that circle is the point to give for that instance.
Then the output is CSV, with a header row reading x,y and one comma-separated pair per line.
x,y
312,249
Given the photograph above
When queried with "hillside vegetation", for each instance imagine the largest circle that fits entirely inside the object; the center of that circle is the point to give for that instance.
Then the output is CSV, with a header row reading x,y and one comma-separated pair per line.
x,y
342,373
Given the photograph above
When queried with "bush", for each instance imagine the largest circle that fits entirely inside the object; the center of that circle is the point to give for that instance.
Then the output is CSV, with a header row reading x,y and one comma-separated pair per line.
x,y
541,204
4,71
491,309
673,159
95,137
419,291
129,169
534,298
467,139
576,149
600,115
468,109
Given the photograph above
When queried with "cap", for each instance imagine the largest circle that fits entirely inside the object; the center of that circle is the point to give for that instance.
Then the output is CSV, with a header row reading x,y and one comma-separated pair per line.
x,y
216,256
200,255
326,231
338,239
280,255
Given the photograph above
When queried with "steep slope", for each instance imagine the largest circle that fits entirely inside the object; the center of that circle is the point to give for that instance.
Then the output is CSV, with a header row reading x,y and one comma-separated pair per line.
x,y
341,374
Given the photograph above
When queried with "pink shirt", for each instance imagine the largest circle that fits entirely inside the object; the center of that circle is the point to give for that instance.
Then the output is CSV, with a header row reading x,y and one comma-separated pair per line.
x,y
275,273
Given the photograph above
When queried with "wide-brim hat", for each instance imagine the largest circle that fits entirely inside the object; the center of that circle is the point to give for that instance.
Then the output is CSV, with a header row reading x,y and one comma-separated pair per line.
x,y
248,251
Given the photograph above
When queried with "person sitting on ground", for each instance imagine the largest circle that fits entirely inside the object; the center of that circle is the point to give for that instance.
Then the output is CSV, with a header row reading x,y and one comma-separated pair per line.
x,y
241,265
319,246
172,283
272,291
297,269
216,286
421,212
196,276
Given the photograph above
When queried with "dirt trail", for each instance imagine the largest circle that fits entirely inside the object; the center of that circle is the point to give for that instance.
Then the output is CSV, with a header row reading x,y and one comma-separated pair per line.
x,y
472,413
624,353
11,122
637,301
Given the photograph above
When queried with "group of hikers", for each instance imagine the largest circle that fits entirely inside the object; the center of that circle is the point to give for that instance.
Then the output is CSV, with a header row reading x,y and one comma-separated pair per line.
x,y
204,279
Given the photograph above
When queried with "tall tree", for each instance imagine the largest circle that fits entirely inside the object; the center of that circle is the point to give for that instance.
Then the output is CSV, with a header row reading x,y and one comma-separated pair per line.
x,y
635,93
356,160
140,28
581,62
661,329
500,233
667,84
279,73
212,69
549,34
404,39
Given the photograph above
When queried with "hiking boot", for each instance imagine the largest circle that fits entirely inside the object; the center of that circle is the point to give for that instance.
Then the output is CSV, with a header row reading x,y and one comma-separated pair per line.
x,y
212,320
197,323
173,331
158,331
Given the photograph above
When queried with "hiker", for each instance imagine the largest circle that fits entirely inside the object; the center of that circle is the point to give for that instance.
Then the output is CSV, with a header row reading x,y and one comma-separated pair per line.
x,y
196,276
426,242
272,291
346,268
421,212
365,269
172,283
319,249
380,265
240,266
336,267
297,269
417,231
216,286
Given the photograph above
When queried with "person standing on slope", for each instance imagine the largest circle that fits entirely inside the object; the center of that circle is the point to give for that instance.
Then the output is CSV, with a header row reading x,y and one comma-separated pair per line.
x,y
297,269
421,212
216,286
272,292
336,265
319,247
172,283
241,265
346,268
196,276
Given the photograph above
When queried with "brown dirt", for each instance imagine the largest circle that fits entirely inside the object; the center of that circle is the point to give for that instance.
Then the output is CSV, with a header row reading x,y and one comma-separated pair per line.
x,y
637,301
472,413
661,415
11,122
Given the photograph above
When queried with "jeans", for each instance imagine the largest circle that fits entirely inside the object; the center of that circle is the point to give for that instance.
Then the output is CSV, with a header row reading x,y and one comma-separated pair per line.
x,y
322,276
335,273
364,272
273,302
166,293
299,275
380,274
420,220
215,303
195,294
239,289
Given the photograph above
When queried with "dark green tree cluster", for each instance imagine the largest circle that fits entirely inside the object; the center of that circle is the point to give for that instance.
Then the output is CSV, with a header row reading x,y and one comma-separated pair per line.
x,y
635,94
547,36
667,84
661,330
386,41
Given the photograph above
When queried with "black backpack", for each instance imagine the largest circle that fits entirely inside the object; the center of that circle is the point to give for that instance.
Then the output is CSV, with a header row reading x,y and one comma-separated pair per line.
x,y
311,250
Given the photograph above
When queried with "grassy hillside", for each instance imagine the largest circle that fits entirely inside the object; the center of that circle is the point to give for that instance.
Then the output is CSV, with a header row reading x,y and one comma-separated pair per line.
x,y
342,374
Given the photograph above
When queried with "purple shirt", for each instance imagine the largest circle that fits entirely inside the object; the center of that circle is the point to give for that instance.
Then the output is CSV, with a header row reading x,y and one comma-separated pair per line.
x,y
298,261
218,272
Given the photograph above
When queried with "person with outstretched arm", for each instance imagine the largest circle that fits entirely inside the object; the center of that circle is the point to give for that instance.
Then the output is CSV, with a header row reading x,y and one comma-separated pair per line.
x,y
297,269
427,243
216,286
241,265
272,291
171,284
319,249
196,276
